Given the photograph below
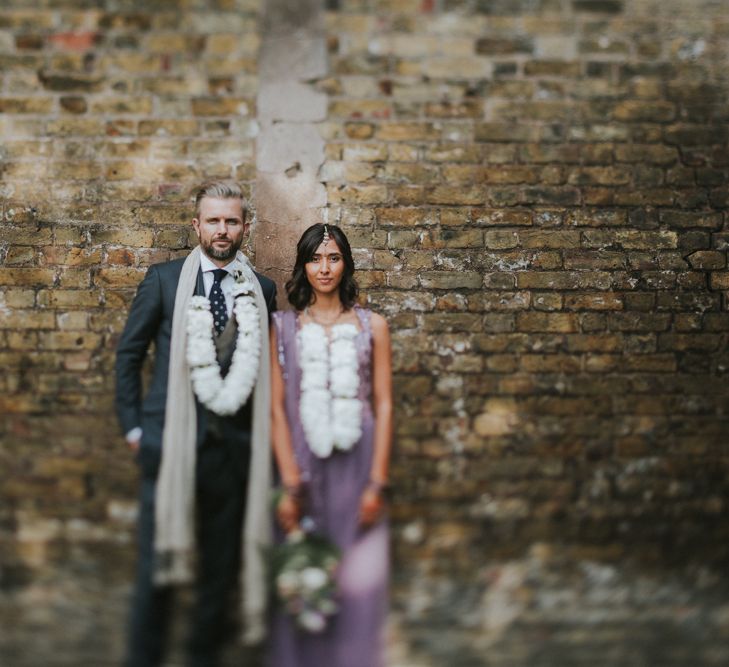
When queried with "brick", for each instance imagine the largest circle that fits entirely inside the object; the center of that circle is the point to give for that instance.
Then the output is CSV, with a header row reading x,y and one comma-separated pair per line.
x,y
69,340
534,238
495,132
163,128
504,45
448,238
477,174
563,280
122,105
404,217
600,176
689,219
500,239
556,322
358,194
707,259
639,110
26,277
451,280
545,301
26,319
549,196
118,277
597,218
359,130
593,301
501,217
638,322
17,105
646,153
582,259
551,68
74,298
461,109
463,195
70,82
459,153
222,106
407,132
368,152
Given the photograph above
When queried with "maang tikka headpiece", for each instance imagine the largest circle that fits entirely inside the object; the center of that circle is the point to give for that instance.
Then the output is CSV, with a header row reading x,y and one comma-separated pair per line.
x,y
325,240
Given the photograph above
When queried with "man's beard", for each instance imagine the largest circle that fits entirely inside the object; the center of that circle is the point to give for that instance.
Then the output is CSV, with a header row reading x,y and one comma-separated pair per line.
x,y
222,255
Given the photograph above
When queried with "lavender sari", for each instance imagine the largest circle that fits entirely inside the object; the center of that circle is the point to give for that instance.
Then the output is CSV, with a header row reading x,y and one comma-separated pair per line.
x,y
354,637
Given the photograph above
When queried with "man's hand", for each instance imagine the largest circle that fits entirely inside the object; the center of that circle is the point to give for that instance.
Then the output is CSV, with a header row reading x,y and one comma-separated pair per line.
x,y
371,507
133,438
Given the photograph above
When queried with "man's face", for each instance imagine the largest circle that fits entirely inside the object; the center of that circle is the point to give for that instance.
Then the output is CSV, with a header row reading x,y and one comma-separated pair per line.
x,y
220,228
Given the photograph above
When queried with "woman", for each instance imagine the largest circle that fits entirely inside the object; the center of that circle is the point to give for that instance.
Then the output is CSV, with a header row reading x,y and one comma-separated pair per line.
x,y
331,432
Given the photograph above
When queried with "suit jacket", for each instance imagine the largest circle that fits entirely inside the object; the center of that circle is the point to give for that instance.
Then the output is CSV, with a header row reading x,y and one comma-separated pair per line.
x,y
150,319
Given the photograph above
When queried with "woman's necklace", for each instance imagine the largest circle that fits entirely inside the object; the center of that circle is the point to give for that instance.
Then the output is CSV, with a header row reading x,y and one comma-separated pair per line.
x,y
323,323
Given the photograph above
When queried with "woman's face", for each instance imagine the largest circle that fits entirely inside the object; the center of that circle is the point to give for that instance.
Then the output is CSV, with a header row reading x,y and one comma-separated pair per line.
x,y
325,269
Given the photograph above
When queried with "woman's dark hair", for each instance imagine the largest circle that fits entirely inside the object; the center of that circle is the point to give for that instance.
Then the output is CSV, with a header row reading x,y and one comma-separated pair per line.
x,y
298,289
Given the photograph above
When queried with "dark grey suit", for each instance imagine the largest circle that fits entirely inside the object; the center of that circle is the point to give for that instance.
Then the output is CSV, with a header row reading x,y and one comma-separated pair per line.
x,y
222,466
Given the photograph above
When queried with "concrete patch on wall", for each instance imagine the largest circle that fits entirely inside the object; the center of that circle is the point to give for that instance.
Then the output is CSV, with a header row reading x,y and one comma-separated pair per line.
x,y
290,151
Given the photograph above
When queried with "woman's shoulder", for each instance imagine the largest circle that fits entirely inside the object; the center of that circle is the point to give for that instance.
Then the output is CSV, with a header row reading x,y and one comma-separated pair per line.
x,y
377,322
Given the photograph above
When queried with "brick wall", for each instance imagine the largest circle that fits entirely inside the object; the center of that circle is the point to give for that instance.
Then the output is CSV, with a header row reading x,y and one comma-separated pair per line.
x,y
536,191
538,195
109,113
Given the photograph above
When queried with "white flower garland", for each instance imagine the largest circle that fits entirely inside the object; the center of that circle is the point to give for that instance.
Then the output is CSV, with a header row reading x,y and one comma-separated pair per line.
x,y
225,396
331,413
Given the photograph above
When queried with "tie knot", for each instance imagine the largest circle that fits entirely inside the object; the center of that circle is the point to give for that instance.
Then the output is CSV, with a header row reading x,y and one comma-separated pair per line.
x,y
219,274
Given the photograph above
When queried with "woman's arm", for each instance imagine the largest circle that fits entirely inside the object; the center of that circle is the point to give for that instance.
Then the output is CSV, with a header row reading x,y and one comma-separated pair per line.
x,y
372,502
287,510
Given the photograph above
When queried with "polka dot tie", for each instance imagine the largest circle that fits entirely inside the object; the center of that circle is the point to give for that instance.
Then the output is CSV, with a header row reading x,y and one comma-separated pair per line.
x,y
217,301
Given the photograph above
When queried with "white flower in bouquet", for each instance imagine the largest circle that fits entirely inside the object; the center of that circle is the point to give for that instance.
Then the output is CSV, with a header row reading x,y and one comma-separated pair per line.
x,y
313,578
313,621
287,583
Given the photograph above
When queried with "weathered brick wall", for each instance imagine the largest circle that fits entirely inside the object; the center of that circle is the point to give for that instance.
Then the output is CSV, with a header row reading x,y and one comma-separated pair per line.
x,y
537,195
109,113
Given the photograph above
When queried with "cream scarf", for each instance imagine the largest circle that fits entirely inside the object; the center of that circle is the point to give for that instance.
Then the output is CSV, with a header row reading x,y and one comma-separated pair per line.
x,y
175,500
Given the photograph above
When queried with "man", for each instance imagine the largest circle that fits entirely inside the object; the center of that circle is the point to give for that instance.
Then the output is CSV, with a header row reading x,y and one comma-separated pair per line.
x,y
201,432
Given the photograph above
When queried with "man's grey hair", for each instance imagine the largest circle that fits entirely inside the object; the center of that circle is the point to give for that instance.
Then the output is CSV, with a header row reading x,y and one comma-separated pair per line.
x,y
220,190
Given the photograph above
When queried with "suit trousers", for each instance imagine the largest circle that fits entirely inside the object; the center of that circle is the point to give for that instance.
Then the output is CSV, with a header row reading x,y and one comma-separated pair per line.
x,y
221,486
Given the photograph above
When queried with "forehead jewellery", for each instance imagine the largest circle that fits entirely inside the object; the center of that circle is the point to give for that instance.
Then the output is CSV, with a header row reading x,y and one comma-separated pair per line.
x,y
325,240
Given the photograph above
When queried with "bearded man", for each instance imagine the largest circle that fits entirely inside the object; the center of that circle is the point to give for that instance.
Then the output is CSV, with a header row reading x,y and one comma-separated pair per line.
x,y
201,432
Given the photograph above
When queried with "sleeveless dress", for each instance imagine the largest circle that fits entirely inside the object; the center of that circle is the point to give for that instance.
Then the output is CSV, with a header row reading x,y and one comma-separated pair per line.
x,y
354,637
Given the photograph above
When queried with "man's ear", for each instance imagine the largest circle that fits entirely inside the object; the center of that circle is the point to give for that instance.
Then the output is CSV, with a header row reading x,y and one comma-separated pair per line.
x,y
196,226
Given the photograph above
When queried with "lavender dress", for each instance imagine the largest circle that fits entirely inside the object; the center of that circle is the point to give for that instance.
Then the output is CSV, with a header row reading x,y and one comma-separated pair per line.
x,y
354,637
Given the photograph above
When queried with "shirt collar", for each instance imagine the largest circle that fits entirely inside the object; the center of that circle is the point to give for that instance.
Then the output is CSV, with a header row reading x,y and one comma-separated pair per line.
x,y
207,264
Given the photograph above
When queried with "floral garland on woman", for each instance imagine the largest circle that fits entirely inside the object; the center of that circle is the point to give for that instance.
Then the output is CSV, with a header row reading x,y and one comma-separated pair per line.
x,y
225,396
331,413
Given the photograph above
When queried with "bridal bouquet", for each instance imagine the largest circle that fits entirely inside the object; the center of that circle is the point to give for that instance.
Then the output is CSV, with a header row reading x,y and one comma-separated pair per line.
x,y
303,569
